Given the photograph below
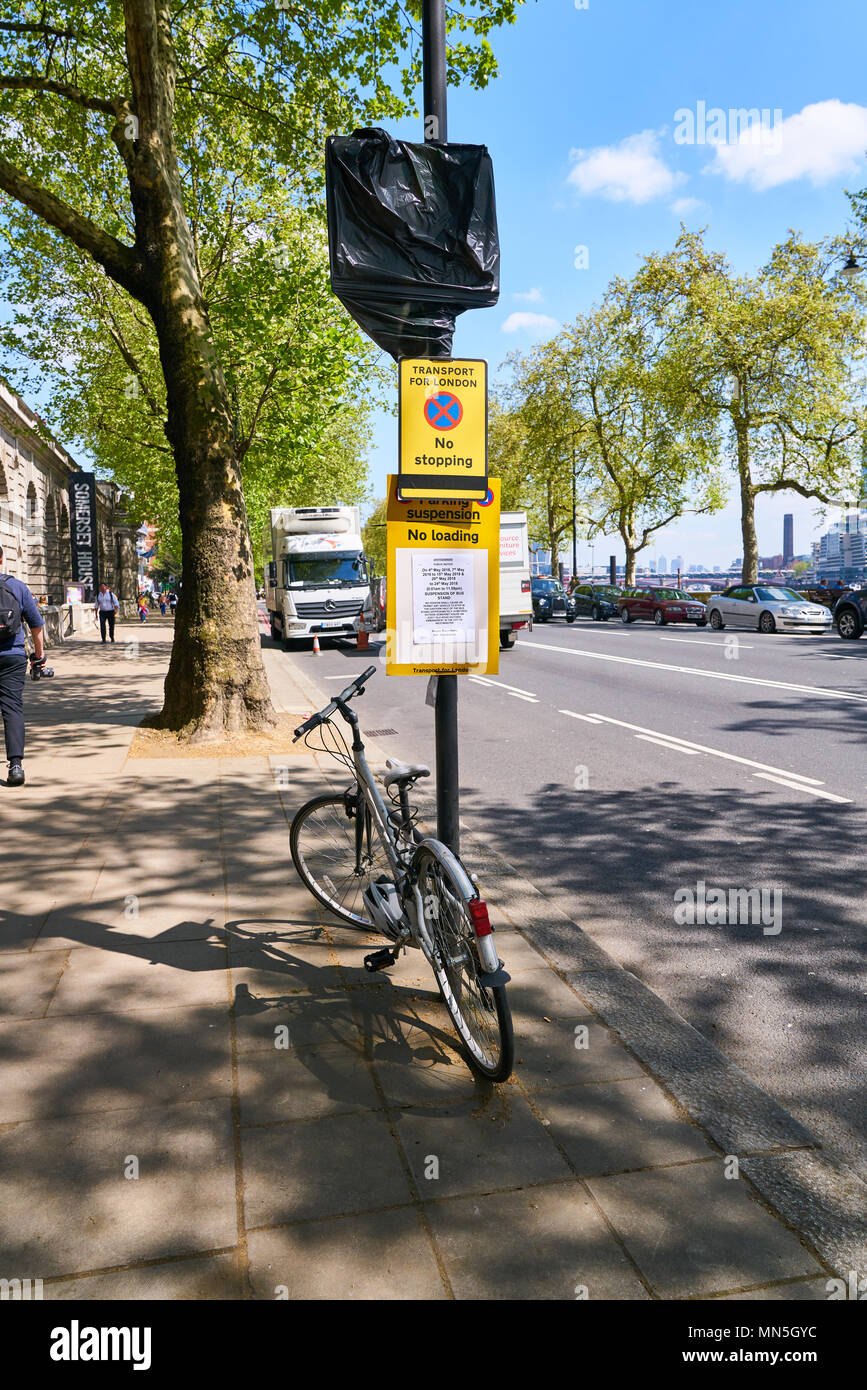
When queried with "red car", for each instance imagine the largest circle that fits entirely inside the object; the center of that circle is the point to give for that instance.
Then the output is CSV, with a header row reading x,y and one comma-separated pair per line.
x,y
661,606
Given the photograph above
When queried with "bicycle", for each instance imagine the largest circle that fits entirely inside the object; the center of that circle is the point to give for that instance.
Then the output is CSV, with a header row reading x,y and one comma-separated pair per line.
x,y
369,865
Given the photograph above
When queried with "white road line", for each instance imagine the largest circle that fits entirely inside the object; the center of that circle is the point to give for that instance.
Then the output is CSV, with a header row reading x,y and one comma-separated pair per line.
x,y
518,695
697,671
704,642
504,685
799,787
591,718
664,743
716,752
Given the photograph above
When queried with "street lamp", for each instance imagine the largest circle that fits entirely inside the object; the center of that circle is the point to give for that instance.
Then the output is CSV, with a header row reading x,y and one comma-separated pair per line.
x,y
852,267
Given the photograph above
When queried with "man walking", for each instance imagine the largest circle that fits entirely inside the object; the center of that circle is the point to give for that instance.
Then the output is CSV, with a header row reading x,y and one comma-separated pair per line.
x,y
106,606
16,608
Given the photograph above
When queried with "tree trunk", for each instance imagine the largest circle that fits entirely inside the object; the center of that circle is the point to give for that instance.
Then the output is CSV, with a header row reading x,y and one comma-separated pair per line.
x,y
553,535
216,680
750,569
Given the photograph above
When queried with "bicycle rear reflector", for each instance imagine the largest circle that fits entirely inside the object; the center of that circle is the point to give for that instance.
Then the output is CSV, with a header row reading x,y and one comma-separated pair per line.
x,y
478,910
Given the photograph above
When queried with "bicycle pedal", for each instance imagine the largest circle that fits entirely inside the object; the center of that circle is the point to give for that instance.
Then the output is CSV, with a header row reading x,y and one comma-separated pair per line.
x,y
380,960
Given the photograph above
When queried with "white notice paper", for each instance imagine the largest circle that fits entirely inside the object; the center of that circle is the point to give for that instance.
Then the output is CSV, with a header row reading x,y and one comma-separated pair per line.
x,y
443,598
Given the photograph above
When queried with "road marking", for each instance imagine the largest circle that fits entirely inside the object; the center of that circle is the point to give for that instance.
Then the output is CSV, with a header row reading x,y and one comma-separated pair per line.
x,y
504,685
665,743
529,699
591,718
716,752
703,642
697,671
799,787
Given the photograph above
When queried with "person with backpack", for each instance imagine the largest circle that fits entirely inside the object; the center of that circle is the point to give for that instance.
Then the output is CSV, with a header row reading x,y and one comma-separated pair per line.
x,y
17,607
107,607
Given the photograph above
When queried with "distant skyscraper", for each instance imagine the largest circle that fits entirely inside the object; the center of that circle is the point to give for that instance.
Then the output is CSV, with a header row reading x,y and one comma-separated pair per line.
x,y
788,538
662,565
677,564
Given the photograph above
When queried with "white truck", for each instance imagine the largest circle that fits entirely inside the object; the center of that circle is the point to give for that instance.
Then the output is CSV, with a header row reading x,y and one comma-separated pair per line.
x,y
516,602
316,581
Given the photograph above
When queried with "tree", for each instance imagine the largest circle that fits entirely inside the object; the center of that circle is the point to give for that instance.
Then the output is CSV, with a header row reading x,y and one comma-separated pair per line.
x,y
111,112
374,536
602,400
776,357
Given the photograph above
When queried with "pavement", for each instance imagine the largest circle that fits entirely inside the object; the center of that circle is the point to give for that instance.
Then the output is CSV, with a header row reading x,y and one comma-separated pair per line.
x,y
205,1096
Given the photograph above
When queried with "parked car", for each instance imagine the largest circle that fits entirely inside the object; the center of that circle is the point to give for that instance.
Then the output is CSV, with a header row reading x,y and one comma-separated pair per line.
x,y
596,601
661,606
768,608
850,614
550,600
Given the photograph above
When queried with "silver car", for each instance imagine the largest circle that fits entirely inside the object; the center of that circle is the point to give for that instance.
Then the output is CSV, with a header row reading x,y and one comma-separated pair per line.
x,y
767,607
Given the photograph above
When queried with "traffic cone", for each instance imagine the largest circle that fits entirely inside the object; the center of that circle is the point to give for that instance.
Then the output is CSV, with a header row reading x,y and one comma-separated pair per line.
x,y
363,640
315,646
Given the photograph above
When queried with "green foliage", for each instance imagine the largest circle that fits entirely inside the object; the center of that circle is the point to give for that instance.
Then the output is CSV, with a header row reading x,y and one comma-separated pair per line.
x,y
373,532
257,90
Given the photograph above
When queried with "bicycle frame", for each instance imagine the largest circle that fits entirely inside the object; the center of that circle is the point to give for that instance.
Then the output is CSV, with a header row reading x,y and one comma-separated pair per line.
x,y
401,864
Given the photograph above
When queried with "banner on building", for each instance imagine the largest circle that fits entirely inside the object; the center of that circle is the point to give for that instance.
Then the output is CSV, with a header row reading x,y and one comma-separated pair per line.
x,y
84,535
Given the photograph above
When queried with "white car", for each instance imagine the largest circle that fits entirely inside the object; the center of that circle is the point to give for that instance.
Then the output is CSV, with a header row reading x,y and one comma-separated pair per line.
x,y
768,608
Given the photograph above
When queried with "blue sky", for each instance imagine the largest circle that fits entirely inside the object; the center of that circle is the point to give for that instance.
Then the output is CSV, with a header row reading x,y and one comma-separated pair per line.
x,y
581,126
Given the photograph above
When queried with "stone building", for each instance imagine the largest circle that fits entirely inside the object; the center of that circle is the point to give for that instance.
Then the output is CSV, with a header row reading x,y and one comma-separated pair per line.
x,y
34,511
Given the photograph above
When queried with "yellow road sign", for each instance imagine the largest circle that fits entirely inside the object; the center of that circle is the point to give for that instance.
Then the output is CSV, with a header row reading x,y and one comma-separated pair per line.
x,y
443,584
443,428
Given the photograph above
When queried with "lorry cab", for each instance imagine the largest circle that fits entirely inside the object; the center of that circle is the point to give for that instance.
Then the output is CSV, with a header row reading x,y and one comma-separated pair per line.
x,y
317,580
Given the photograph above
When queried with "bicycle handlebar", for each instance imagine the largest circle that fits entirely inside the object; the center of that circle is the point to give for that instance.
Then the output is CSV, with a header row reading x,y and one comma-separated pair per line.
x,y
355,687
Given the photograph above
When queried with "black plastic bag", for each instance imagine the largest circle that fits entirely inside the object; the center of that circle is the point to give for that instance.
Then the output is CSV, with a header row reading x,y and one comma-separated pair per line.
x,y
412,237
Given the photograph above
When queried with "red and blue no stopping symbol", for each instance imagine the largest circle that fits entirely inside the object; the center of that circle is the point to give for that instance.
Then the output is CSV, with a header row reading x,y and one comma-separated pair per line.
x,y
444,411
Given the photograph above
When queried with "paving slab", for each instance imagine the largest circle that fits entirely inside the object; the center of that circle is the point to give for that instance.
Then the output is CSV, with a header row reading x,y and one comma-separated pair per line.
x,y
263,1019
339,1165
692,1232
539,1243
70,1065
133,973
610,1127
28,981
383,1256
212,1278
66,1206
492,1141
304,1083
558,1052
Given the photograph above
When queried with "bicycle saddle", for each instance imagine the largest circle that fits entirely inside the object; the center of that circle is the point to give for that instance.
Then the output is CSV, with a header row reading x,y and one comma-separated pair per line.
x,y
404,772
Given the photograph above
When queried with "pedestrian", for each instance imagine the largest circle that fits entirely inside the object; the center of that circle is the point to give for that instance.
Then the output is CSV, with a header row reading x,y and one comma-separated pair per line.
x,y
142,608
173,603
17,606
162,605
107,606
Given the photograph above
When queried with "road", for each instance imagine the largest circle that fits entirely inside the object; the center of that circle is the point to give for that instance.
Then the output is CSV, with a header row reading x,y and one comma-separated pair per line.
x,y
619,766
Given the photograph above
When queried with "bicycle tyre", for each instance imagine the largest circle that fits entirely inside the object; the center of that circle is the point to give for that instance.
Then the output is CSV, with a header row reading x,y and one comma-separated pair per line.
x,y
322,842
481,1014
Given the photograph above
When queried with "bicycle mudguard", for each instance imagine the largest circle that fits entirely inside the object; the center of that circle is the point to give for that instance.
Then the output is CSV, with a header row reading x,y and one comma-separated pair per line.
x,y
449,861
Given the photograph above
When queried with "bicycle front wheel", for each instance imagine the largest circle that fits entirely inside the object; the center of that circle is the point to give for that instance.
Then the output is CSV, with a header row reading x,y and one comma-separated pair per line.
x,y
323,841
480,1013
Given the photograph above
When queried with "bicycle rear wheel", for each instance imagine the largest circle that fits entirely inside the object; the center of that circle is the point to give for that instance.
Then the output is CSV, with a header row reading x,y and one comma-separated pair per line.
x,y
480,1013
323,844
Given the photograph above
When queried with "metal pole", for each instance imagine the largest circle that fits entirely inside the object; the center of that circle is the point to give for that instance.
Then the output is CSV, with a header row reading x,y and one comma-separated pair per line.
x,y
433,38
574,527
433,29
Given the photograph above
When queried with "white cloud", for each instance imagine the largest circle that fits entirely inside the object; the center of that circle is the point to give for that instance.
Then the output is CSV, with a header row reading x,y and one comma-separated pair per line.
x,y
629,172
530,323
681,207
533,296
824,141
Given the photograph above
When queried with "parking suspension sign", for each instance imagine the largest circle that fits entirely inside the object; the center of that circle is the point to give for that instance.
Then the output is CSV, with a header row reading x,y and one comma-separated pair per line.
x,y
443,428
